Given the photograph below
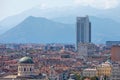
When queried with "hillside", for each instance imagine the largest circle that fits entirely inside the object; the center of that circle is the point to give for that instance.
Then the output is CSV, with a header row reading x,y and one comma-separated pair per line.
x,y
39,30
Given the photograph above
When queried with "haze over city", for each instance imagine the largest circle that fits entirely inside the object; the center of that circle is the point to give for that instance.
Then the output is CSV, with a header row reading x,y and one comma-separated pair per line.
x,y
59,40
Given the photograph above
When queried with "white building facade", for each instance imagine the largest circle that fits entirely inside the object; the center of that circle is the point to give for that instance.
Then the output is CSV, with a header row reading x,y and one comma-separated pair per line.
x,y
89,72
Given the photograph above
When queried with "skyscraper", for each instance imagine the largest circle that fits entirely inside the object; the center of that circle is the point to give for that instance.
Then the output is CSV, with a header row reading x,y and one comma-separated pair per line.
x,y
83,30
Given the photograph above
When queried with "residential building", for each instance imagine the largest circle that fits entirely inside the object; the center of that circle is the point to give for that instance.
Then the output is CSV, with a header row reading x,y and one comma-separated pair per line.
x,y
115,74
115,53
104,69
86,49
90,72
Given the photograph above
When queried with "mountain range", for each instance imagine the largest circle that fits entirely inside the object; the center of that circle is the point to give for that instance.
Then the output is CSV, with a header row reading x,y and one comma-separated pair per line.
x,y
39,30
58,30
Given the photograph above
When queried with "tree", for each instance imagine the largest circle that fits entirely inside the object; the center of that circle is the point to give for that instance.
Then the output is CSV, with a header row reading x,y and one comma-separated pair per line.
x,y
77,77
94,78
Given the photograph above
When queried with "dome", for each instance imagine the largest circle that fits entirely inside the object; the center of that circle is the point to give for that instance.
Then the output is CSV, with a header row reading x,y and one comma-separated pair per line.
x,y
26,60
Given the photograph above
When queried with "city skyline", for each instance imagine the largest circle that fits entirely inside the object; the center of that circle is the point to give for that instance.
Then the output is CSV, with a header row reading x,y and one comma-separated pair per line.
x,y
59,39
105,12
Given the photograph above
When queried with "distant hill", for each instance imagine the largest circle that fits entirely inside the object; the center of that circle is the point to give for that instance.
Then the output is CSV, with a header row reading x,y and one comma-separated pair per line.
x,y
39,30
11,22
0,27
59,30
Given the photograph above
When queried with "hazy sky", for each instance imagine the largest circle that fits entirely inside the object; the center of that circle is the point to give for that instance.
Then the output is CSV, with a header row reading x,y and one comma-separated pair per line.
x,y
13,7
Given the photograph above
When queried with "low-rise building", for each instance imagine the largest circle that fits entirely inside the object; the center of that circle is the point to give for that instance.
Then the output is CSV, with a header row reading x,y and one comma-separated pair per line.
x,y
115,73
104,69
115,53
86,49
89,72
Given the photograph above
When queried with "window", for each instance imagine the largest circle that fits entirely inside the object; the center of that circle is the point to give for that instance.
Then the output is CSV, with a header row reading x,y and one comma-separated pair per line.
x,y
30,69
24,69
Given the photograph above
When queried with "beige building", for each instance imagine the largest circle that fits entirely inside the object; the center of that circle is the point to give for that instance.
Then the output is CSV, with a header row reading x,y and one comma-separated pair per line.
x,y
104,69
26,67
89,72
26,71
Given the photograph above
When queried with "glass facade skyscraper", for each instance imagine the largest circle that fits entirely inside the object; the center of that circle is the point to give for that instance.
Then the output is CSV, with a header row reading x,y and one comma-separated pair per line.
x,y
83,30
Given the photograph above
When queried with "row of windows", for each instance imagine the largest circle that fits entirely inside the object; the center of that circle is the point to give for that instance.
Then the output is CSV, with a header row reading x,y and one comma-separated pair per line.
x,y
116,76
25,69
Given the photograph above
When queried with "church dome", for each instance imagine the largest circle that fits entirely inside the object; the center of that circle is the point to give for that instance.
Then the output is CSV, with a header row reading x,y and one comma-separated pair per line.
x,y
26,60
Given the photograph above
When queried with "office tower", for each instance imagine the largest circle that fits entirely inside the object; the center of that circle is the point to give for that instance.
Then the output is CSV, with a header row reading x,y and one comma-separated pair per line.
x,y
83,30
115,53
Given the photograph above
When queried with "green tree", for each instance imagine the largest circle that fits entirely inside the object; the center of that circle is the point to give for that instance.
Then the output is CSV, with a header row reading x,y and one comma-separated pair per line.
x,y
77,77
94,78
83,78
